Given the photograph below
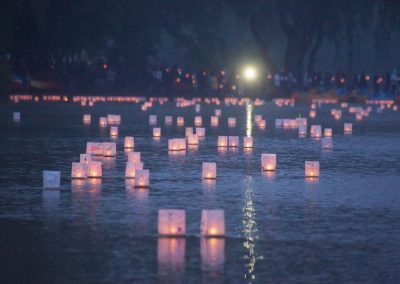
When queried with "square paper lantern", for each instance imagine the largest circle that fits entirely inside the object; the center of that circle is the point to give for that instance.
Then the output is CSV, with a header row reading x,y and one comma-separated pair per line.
x,y
198,120
168,120
94,148
212,223
134,157
109,149
316,131
247,142
313,114
301,121
85,158
231,121
78,171
302,130
103,121
233,141
193,139
218,112
359,116
222,141
257,118
268,162
157,132
348,128
129,142
171,222
197,108
262,124
312,169
131,167
17,116
142,178
214,120
278,123
201,131
94,169
180,121
153,119
114,131
209,170
326,143
188,131
286,123
87,118
328,132
51,179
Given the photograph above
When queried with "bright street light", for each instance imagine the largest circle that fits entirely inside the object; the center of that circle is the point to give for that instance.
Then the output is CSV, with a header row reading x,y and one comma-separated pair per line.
x,y
250,73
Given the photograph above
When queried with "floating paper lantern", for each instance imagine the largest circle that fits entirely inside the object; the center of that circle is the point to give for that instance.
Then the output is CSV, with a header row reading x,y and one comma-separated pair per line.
x,y
233,141
153,119
193,139
134,157
359,116
262,124
131,167
201,131
177,144
103,121
218,112
302,130
180,121
348,128
114,131
312,169
326,143
94,148
222,141
209,170
257,118
113,119
344,105
51,179
212,223
157,132
16,116
168,120
87,118
94,169
247,142
395,108
313,114
129,142
214,120
109,149
301,121
171,222
197,108
316,131
313,106
231,121
78,171
198,120
188,131
278,122
268,162
328,132
142,178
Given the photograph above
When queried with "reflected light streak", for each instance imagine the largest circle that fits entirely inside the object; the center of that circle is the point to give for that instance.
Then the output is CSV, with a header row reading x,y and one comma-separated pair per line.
x,y
249,115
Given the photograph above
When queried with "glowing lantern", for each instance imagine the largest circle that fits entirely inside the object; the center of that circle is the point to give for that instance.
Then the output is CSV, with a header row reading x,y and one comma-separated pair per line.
x,y
312,169
197,108
51,179
233,141
313,114
359,116
218,112
94,169
157,132
222,141
129,142
177,144
114,131
109,149
180,121
395,108
103,121
214,120
87,119
198,120
78,170
328,132
142,178
348,128
302,130
153,119
262,124
212,223
131,167
168,120
313,106
113,119
231,121
247,142
268,162
209,170
316,131
326,143
201,131
278,123
188,131
257,118
193,139
94,148
344,105
134,157
16,116
301,121
171,222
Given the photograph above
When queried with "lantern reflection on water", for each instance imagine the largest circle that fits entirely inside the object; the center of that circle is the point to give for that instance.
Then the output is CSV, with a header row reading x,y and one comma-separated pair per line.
x,y
51,179
171,258
129,142
222,141
247,142
311,169
78,171
268,162
212,223
193,139
171,222
131,167
209,170
142,178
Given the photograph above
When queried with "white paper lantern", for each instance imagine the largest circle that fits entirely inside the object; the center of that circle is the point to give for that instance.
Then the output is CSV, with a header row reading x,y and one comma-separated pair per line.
x,y
201,131
94,169
328,132
312,169
142,178
302,130
268,162
316,131
109,149
247,142
87,118
16,116
131,167
233,141
51,179
313,114
212,223
94,148
222,141
113,119
198,120
180,121
134,157
129,142
78,171
209,170
188,131
348,128
168,120
177,144
114,131
171,222
103,121
326,142
157,132
231,121
193,139
153,119
218,112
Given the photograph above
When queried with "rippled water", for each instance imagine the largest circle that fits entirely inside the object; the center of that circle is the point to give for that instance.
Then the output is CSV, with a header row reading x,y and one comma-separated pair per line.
x,y
281,228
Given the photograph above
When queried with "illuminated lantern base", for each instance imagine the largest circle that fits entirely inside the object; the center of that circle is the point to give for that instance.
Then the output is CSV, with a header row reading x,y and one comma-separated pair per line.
x,y
114,131
212,223
180,121
198,121
348,128
129,142
209,170
233,141
157,132
103,121
328,132
222,141
78,171
51,179
171,222
87,119
312,169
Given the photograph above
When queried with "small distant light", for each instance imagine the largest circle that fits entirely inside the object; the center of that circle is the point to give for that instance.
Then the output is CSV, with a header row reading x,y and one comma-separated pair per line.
x,y
105,66
342,80
222,72
187,75
269,77
178,80
367,77
221,86
233,87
